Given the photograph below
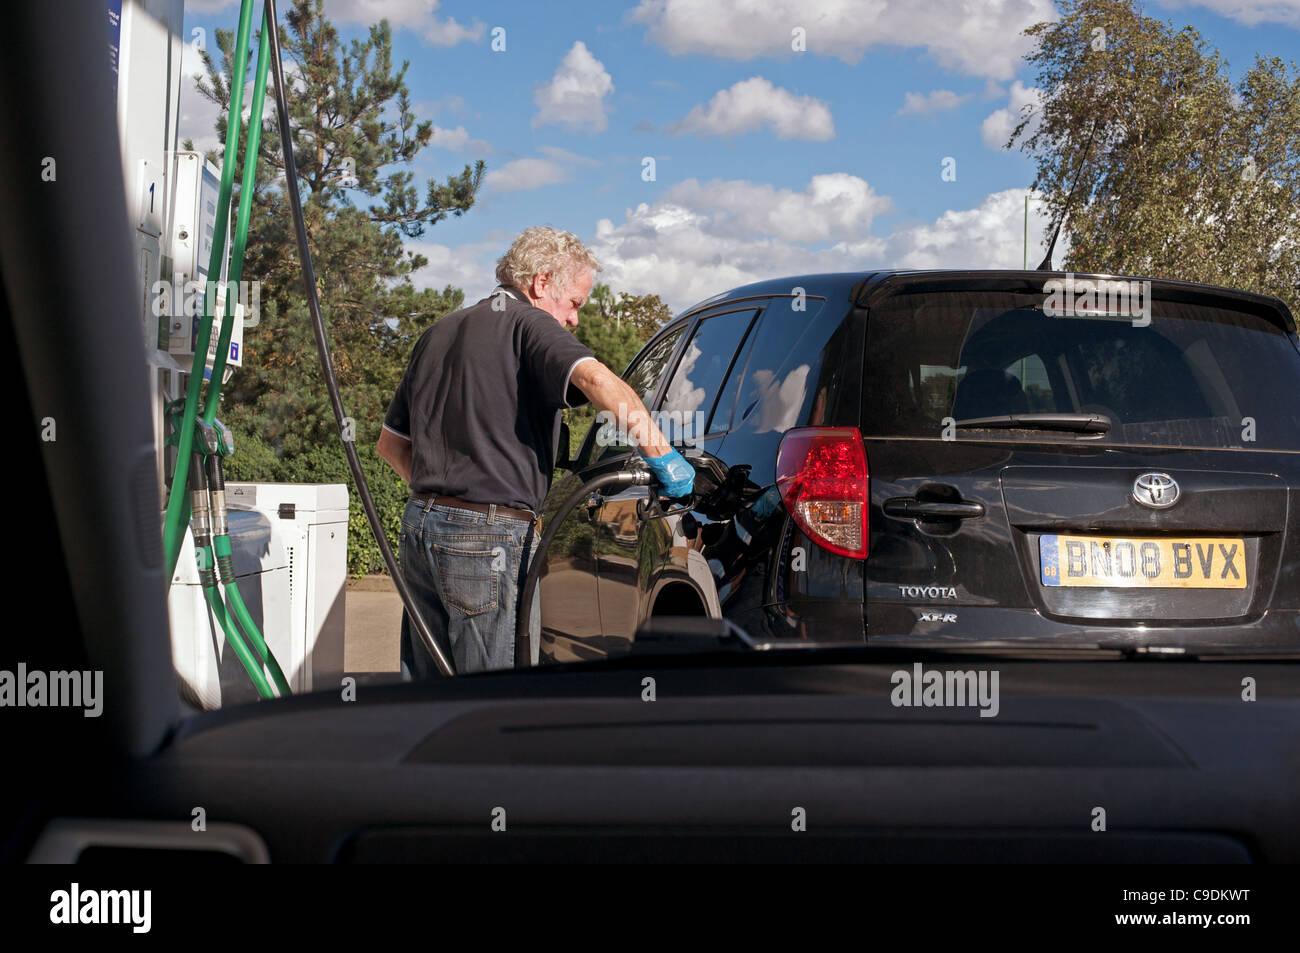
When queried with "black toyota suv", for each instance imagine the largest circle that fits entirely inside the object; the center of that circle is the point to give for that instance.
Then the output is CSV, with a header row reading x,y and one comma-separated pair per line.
x,y
932,456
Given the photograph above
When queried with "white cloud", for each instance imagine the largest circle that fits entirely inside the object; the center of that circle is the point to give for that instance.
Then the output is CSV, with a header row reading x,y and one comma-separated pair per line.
x,y
198,118
520,175
470,267
687,254
575,96
564,155
977,37
998,125
937,100
1250,12
688,246
754,103
458,140
833,207
988,236
418,16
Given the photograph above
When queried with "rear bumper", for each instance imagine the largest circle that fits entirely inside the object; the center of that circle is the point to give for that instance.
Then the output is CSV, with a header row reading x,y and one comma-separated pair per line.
x,y
1279,629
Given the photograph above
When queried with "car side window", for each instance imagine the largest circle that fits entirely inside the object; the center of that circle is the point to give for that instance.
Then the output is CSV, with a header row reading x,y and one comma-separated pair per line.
x,y
699,375
643,376
776,386
646,370
724,408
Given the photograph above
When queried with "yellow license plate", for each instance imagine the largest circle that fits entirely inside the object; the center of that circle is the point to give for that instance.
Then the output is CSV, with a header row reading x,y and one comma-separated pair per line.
x,y
1143,563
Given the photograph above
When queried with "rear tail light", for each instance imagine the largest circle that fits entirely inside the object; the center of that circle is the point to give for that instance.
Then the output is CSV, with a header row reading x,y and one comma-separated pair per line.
x,y
822,475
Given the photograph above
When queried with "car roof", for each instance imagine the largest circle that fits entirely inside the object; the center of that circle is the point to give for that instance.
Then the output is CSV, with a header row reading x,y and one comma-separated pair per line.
x,y
867,287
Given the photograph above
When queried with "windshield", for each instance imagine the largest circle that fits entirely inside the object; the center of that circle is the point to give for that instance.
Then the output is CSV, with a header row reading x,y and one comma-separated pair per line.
x,y
651,359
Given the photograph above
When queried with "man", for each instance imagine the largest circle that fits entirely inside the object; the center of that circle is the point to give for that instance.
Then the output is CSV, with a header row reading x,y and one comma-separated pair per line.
x,y
474,427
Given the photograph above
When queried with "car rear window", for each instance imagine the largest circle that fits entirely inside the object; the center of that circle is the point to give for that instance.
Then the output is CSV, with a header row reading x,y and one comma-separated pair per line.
x,y
1195,376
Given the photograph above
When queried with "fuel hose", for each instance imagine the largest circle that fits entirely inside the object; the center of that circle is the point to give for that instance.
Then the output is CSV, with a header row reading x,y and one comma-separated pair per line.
x,y
177,501
226,575
326,360
206,560
523,638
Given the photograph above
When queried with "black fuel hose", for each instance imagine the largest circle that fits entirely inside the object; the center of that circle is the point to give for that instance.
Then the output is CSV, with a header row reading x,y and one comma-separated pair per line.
x,y
322,346
523,644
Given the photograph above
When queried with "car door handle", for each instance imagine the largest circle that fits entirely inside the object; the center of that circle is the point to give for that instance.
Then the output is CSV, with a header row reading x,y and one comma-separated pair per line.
x,y
910,508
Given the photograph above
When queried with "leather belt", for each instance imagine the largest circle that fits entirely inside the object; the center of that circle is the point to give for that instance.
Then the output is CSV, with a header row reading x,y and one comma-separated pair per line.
x,y
442,499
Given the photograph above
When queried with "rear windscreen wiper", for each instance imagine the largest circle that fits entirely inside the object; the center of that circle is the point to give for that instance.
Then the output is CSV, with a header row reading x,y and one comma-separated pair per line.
x,y
1080,423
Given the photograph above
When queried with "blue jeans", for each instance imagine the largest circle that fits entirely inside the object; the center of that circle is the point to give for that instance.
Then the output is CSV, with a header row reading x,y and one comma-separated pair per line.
x,y
466,573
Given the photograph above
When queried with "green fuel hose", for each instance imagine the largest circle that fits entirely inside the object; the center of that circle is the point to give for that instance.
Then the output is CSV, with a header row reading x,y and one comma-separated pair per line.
x,y
246,188
173,525
226,574
216,487
197,487
215,558
251,665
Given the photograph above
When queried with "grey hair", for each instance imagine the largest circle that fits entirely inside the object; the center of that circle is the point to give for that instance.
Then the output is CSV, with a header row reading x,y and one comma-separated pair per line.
x,y
543,250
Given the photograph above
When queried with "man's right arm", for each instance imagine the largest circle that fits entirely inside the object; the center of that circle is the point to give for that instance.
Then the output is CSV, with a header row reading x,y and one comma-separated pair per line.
x,y
608,392
669,469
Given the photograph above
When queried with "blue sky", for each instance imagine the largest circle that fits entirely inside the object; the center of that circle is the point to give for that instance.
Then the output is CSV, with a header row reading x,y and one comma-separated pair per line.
x,y
767,161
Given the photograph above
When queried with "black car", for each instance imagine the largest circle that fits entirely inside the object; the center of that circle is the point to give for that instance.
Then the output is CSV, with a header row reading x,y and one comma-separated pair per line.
x,y
931,456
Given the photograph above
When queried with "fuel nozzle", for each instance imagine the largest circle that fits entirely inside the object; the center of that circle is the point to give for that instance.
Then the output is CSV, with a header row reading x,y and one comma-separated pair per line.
x,y
200,512
225,439
206,436
217,491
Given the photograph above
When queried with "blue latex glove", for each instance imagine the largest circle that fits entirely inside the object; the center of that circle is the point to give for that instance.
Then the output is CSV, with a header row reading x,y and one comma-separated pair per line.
x,y
674,475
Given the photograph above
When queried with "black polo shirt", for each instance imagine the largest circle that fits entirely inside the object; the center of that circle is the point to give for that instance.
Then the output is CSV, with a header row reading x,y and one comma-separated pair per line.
x,y
480,401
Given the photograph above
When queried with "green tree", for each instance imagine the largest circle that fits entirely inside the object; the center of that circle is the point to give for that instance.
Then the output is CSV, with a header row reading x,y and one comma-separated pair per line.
x,y
614,340
1154,161
645,313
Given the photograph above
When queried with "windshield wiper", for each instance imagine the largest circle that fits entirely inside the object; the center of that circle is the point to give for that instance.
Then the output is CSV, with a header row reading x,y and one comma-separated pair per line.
x,y
1079,423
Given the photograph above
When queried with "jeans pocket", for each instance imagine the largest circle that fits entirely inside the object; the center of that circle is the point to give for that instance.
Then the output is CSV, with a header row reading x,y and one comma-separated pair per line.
x,y
468,573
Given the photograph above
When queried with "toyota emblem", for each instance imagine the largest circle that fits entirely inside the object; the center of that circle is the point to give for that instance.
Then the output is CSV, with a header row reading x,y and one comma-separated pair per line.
x,y
1156,490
